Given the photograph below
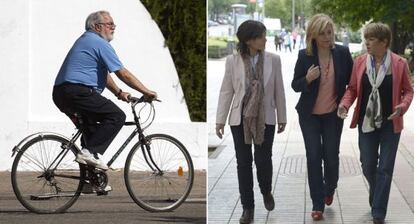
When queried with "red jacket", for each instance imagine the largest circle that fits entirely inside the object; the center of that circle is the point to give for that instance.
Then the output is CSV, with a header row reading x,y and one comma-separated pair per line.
x,y
402,90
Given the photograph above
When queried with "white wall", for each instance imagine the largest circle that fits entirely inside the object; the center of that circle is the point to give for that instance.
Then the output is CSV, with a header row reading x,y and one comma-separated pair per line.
x,y
35,37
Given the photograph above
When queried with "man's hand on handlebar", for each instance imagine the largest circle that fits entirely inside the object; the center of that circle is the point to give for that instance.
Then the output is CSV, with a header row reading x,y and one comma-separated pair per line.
x,y
124,96
144,98
150,96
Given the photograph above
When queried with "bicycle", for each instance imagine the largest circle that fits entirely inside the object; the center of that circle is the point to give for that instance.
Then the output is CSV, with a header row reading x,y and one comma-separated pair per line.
x,y
158,171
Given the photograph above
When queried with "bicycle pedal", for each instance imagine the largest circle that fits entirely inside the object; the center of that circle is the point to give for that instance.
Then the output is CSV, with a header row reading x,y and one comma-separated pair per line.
x,y
87,189
104,191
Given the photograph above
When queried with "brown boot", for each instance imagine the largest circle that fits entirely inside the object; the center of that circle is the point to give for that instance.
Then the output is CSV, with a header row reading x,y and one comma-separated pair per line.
x,y
247,216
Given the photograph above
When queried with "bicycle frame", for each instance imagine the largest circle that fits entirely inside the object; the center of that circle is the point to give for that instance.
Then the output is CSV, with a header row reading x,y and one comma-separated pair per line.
x,y
141,137
142,140
138,130
59,163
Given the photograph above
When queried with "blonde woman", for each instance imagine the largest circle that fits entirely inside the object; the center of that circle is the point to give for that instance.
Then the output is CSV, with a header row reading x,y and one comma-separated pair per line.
x,y
322,72
253,88
381,84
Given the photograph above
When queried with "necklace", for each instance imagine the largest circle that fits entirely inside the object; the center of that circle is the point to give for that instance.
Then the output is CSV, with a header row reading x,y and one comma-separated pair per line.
x,y
326,67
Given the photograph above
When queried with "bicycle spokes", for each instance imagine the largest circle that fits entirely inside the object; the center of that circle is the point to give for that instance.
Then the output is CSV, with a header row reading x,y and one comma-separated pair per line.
x,y
159,176
45,177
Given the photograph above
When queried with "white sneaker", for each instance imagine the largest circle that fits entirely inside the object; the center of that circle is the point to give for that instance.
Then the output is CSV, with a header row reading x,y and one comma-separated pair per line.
x,y
85,157
88,189
108,188
104,191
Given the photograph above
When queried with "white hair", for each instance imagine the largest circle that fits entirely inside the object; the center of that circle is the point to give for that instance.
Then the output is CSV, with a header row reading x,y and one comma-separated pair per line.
x,y
95,18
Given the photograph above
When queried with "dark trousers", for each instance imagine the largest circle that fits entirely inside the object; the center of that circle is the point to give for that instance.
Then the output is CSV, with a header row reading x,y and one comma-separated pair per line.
x,y
262,159
102,119
322,136
378,150
278,46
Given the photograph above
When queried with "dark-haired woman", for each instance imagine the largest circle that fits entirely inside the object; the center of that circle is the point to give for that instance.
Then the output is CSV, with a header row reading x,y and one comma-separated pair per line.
x,y
252,91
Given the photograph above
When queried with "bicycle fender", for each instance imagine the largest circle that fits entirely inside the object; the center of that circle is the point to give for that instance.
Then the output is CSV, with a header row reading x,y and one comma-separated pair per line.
x,y
17,147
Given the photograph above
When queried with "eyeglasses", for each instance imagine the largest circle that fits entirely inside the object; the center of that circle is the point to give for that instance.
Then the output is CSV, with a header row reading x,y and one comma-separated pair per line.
x,y
111,24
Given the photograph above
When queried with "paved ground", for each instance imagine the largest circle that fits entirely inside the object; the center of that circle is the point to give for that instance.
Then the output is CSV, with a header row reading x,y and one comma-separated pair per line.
x,y
117,207
290,187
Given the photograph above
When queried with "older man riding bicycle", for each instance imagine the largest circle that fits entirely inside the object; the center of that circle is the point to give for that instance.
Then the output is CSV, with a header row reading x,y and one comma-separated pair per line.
x,y
83,76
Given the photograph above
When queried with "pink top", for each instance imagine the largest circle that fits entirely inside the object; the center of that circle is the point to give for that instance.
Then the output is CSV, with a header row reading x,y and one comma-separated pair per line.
x,y
402,90
326,100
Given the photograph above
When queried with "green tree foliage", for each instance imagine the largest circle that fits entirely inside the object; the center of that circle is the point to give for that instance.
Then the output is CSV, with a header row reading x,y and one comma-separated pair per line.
x,y
183,24
217,7
282,9
279,9
396,13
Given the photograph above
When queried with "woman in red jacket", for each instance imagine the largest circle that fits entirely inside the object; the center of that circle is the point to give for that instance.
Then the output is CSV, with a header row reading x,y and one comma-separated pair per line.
x,y
381,83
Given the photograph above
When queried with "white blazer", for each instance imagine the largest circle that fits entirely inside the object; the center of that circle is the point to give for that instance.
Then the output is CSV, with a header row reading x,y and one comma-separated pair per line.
x,y
233,89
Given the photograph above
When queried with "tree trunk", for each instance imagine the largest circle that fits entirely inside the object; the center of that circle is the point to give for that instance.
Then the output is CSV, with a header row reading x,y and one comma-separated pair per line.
x,y
400,38
395,39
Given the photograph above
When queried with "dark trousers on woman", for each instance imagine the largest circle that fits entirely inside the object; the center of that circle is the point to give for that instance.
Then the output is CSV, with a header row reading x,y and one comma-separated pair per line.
x,y
262,159
102,119
322,136
378,150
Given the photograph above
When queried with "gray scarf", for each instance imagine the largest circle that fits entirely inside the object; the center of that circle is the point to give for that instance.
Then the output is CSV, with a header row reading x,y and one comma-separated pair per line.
x,y
253,105
373,113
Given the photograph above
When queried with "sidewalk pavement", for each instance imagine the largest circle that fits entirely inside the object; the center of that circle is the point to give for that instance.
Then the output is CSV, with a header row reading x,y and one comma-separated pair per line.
x,y
116,207
290,187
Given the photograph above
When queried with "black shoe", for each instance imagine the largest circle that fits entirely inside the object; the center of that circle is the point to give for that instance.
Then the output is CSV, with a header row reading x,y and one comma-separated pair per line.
x,y
268,201
87,189
378,221
247,216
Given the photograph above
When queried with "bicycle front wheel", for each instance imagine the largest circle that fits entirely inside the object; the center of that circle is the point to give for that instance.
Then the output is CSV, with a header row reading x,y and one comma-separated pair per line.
x,y
159,175
45,177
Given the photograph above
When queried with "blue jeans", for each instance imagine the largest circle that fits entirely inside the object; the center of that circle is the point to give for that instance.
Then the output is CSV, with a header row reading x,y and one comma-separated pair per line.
x,y
378,150
322,136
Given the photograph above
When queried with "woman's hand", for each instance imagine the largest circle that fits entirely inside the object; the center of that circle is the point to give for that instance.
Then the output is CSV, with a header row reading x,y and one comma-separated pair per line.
x,y
281,127
397,112
313,73
342,111
220,130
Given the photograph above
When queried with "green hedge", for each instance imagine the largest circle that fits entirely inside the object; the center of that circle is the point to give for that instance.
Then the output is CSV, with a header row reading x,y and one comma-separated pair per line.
x,y
217,47
183,24
217,42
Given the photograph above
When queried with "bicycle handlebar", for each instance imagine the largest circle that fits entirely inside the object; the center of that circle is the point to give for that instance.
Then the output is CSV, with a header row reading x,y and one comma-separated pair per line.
x,y
144,99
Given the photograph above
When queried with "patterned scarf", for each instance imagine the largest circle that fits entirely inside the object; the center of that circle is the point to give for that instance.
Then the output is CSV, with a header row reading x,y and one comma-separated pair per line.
x,y
373,113
253,101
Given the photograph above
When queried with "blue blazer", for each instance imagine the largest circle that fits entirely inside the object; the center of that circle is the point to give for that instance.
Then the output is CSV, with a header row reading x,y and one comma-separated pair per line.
x,y
342,61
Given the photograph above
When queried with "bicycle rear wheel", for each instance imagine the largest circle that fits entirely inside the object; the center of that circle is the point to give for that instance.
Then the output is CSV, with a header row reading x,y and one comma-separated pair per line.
x,y
45,177
159,190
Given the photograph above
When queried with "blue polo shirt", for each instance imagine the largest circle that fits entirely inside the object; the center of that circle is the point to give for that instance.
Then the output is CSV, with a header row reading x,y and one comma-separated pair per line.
x,y
88,62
